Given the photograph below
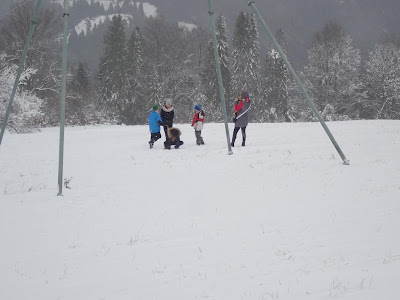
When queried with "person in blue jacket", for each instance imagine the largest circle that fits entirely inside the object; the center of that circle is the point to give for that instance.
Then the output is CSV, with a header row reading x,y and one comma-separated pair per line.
x,y
154,125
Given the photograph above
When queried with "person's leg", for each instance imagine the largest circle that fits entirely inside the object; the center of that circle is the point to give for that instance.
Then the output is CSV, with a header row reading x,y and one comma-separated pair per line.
x,y
157,136
201,139
167,143
166,131
151,142
198,137
235,131
243,136
177,142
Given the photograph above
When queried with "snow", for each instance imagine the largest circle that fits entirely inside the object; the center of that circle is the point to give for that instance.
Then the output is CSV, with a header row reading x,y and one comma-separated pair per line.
x,y
149,10
96,21
281,218
187,26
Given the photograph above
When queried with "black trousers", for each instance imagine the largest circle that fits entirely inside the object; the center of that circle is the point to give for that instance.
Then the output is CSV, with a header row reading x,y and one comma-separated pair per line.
x,y
169,142
155,136
235,132
166,131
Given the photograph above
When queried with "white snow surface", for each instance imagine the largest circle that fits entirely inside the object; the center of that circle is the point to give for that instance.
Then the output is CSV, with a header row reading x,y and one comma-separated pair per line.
x,y
150,10
82,26
187,26
281,218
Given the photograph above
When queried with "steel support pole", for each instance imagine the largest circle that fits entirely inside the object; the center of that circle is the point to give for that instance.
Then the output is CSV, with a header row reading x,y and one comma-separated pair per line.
x,y
220,84
63,92
299,84
20,69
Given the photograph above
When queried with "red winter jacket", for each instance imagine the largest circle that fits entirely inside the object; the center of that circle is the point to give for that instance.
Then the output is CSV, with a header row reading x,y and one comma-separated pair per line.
x,y
198,121
239,106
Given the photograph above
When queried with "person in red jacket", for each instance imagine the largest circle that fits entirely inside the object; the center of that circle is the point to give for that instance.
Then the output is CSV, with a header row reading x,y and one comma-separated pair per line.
x,y
197,123
241,118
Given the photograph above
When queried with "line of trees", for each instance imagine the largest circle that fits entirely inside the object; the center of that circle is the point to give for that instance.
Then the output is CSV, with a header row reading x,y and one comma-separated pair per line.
x,y
179,64
141,66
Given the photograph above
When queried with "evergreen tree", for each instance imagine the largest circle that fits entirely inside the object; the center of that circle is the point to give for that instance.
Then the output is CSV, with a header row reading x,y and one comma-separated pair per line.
x,y
81,78
154,95
223,53
78,96
334,71
135,65
245,55
210,83
382,82
275,104
167,49
209,75
113,79
240,63
254,56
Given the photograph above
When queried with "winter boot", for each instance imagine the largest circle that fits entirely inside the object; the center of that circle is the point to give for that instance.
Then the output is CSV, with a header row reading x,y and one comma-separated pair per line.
x,y
198,137
178,143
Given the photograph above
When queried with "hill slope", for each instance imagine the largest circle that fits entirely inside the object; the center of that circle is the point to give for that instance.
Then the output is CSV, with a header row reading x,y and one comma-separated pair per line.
x,y
281,218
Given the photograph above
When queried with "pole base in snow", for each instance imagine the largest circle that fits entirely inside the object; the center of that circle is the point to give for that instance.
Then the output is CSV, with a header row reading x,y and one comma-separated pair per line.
x,y
346,162
230,152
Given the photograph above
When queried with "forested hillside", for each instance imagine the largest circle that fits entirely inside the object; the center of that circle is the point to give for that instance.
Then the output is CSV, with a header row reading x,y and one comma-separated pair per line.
x,y
125,56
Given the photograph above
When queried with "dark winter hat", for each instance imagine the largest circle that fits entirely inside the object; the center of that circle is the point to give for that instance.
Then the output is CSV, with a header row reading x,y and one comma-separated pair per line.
x,y
168,101
197,107
155,107
245,94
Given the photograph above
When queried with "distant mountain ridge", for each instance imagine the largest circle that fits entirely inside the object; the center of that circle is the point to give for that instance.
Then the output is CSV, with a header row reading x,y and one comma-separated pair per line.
x,y
367,21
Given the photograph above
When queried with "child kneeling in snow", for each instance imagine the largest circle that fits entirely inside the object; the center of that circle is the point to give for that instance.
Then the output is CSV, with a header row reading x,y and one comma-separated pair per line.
x,y
173,138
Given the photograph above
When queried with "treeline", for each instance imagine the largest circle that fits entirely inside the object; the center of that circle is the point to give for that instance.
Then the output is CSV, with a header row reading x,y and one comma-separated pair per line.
x,y
141,66
162,60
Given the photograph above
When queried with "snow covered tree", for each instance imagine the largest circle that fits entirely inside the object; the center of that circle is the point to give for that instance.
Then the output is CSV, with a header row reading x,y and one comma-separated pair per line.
x,y
223,53
209,74
81,78
44,51
154,95
135,72
382,82
169,49
25,114
275,104
246,52
113,79
254,57
79,96
211,87
334,71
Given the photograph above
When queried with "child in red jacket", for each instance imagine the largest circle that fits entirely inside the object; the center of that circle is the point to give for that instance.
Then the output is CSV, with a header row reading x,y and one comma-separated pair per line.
x,y
197,123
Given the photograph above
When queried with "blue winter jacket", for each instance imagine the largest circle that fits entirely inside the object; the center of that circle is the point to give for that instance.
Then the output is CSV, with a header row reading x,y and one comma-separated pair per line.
x,y
154,121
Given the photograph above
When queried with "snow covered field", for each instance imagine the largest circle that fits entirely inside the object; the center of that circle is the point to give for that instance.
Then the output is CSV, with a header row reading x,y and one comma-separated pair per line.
x,y
281,218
